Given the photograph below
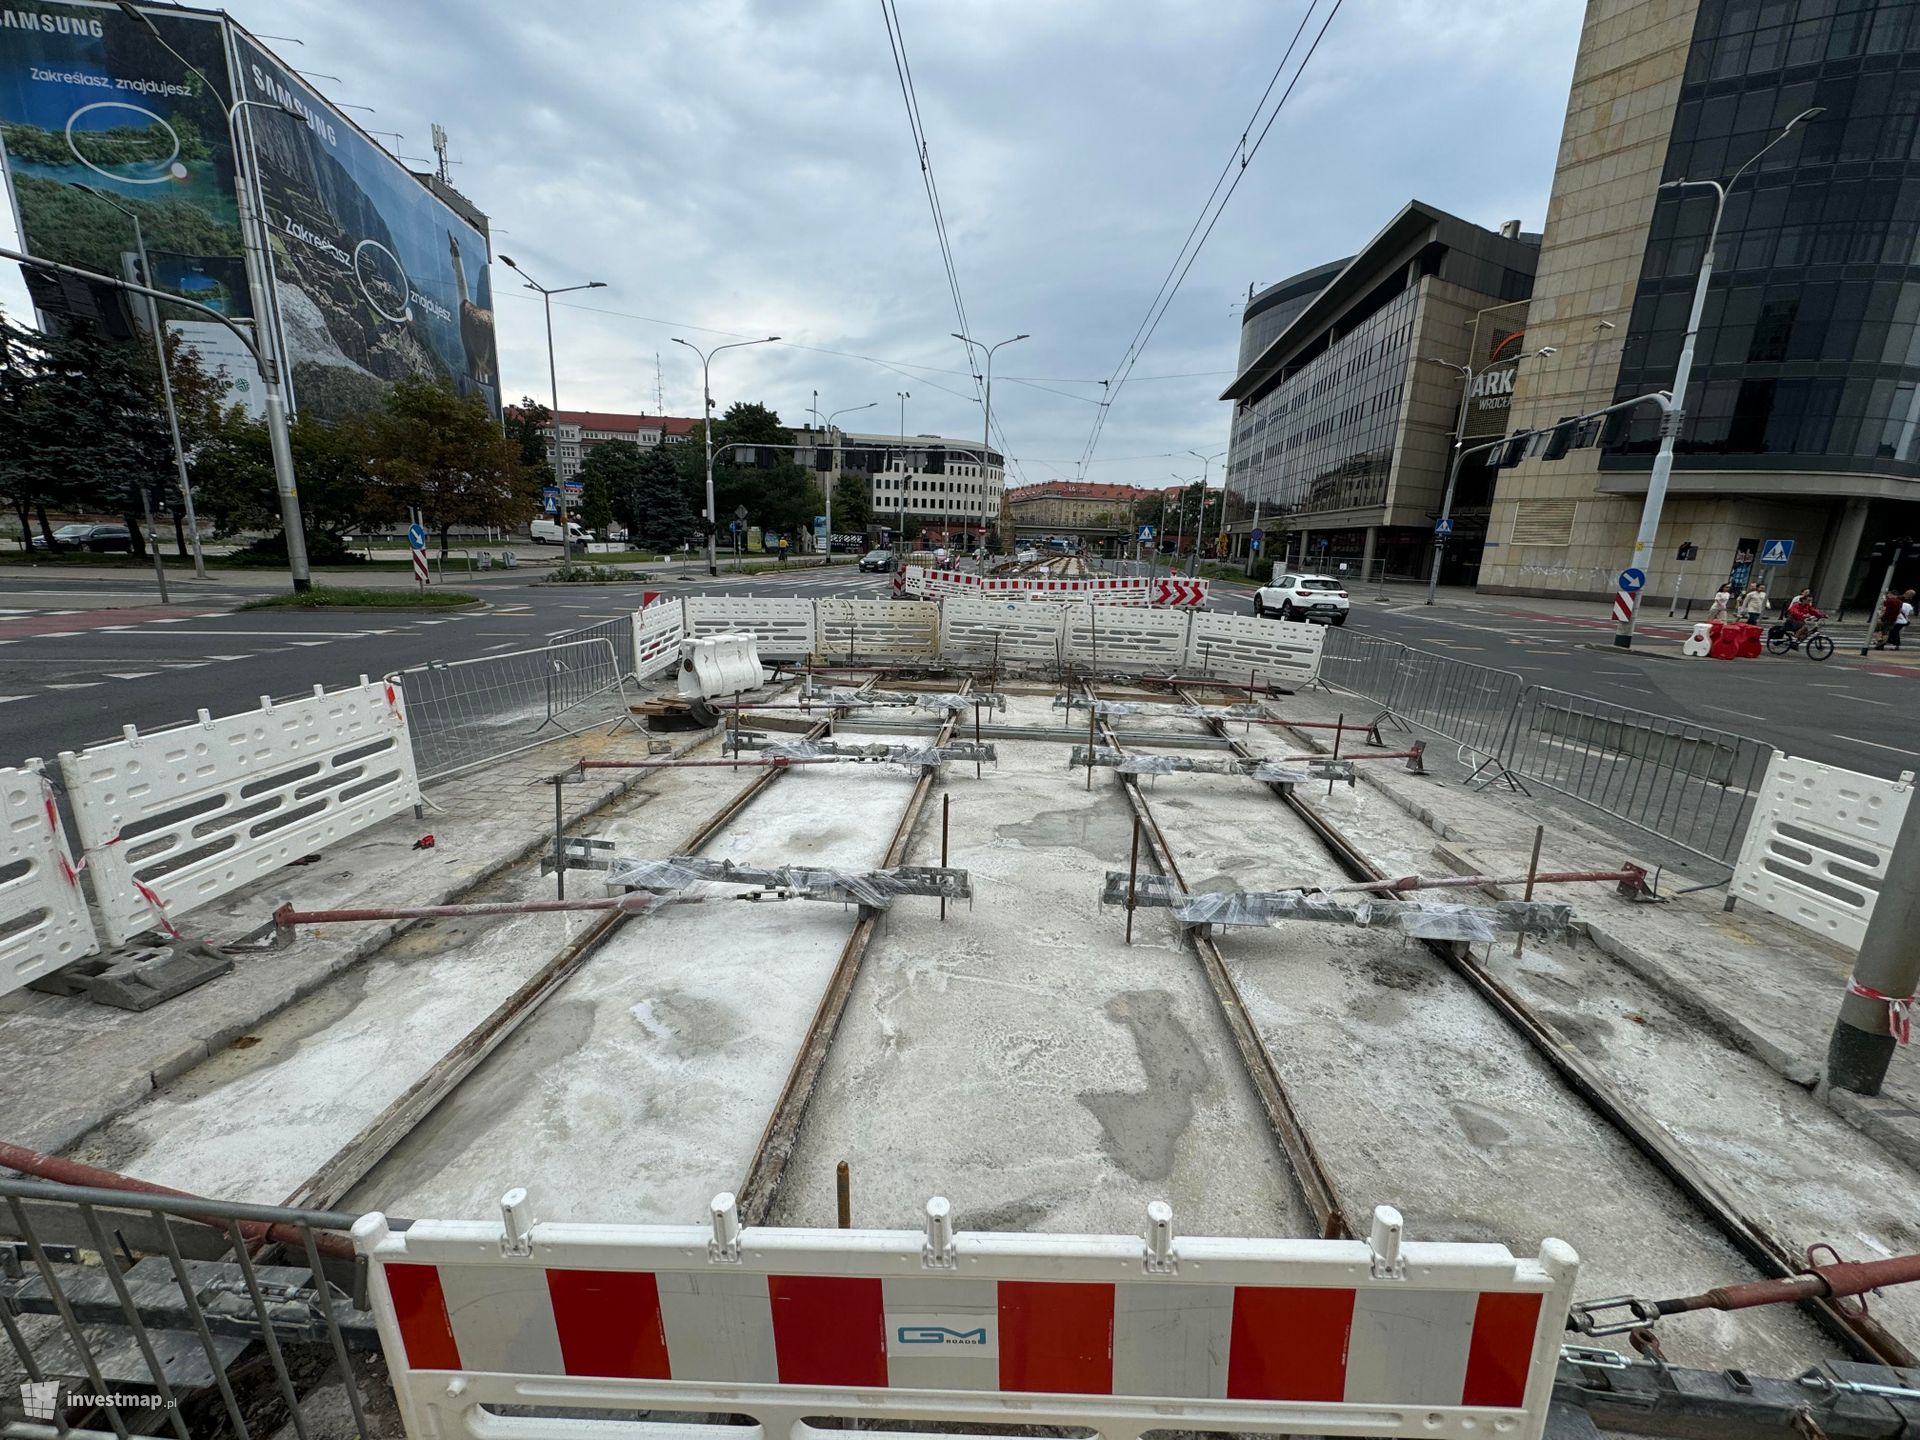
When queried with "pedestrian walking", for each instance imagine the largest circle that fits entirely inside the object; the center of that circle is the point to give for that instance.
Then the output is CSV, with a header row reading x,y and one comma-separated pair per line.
x,y
1883,622
1753,604
1901,621
1722,598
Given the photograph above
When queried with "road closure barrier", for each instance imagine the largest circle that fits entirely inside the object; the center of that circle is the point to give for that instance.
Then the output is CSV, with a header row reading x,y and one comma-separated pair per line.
x,y
44,922
171,819
489,1329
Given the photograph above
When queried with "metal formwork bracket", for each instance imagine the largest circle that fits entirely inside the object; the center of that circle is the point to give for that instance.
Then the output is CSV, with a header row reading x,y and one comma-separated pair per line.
x,y
578,852
1671,419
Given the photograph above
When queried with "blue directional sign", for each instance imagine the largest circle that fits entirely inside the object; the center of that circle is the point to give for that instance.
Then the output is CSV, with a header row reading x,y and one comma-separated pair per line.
x,y
1146,534
1258,538
417,536
1443,526
1633,581
1776,552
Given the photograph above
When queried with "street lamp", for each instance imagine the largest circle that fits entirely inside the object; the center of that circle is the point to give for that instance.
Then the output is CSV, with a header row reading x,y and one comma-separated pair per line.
x,y
903,396
166,394
833,474
1671,422
1467,376
706,394
986,431
254,245
553,390
1206,465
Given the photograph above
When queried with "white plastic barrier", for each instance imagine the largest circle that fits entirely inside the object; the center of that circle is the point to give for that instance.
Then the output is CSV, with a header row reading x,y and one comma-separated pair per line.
x,y
719,665
172,819
43,914
1103,637
1234,647
783,628
1817,845
658,630
1011,632
1321,1337
854,628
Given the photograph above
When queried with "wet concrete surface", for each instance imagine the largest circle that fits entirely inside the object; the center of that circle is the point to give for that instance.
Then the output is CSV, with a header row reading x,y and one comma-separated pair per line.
x,y
1021,1059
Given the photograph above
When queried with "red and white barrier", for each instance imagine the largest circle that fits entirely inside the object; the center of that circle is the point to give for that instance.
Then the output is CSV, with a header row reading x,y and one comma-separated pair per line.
x,y
920,583
43,913
658,628
1375,1337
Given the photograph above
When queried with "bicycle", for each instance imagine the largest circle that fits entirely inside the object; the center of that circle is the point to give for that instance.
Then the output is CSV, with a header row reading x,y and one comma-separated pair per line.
x,y
1811,638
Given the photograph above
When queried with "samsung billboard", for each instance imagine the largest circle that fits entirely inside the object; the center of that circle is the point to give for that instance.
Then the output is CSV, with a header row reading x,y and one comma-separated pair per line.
x,y
374,277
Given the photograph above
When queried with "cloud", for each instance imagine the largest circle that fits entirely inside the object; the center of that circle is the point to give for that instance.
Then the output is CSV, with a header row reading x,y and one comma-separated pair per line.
x,y
744,167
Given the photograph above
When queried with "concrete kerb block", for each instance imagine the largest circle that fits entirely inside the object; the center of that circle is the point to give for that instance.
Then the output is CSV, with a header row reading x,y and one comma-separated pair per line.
x,y
316,971
1888,1122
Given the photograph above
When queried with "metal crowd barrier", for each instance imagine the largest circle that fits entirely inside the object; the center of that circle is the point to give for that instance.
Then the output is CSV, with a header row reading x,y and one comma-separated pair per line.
x,y
1690,785
135,1314
466,713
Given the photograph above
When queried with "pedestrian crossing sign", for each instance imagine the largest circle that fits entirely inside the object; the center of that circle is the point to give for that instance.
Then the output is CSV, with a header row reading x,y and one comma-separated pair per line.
x,y
1776,552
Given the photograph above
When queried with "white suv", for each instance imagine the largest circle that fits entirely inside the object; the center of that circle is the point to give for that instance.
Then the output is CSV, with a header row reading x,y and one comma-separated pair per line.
x,y
1303,597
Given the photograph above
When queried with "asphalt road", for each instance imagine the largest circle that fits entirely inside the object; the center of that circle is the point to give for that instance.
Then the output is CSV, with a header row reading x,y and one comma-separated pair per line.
x,y
72,673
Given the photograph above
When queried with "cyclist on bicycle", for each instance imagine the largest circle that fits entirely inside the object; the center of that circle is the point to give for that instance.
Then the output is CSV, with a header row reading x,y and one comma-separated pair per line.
x,y
1800,610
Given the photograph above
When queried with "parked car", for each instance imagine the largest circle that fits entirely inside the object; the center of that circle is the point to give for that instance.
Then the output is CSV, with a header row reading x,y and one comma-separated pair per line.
x,y
102,539
878,560
1026,555
547,532
1303,597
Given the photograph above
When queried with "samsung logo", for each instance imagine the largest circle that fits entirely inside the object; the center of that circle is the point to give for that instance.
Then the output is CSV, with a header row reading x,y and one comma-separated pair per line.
x,y
49,24
317,123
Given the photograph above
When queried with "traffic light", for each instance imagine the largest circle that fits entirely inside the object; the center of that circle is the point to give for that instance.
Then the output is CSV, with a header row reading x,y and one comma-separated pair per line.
x,y
1560,439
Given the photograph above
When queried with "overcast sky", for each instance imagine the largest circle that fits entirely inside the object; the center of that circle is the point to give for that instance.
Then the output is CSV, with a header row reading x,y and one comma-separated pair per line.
x,y
744,167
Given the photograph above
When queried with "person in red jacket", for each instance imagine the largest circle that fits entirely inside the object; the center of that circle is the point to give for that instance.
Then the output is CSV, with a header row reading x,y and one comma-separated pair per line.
x,y
1800,610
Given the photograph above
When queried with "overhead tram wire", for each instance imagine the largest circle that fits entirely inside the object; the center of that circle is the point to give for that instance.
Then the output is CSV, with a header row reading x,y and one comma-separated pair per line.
x,y
1245,155
910,97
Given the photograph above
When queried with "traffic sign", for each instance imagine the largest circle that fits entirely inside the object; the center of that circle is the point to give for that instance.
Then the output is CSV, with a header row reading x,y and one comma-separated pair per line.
x,y
1443,526
417,536
1146,534
1633,581
1776,552
1257,539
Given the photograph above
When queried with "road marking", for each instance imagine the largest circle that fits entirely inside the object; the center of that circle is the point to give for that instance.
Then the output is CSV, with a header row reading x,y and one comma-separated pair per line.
x,y
309,644
130,674
5,698
55,635
1863,700
76,685
1897,749
186,665
503,645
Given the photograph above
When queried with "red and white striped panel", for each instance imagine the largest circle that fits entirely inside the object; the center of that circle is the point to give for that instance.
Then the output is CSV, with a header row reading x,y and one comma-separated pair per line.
x,y
1382,1344
1623,603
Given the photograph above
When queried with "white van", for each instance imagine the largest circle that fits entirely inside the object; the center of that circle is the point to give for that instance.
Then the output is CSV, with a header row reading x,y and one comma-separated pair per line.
x,y
547,532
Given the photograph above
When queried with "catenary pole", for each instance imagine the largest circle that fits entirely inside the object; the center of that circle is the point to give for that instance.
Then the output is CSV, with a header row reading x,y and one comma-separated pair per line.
x,y
1670,423
706,396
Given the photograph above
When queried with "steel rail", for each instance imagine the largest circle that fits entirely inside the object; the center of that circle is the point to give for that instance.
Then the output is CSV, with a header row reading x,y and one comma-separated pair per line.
x,y
1860,1334
1315,1184
354,1161
767,1170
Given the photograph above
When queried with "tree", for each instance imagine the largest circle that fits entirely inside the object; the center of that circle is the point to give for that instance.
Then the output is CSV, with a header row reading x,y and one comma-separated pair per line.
x,y
441,453
776,493
523,422
596,501
647,493
851,508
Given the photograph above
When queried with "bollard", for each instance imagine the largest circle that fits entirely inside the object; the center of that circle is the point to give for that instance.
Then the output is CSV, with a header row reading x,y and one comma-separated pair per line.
x,y
1874,1009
